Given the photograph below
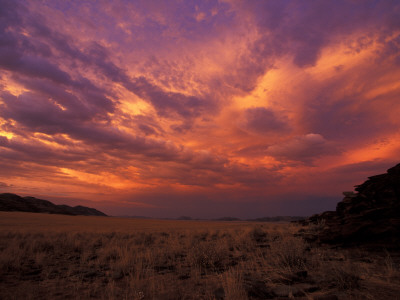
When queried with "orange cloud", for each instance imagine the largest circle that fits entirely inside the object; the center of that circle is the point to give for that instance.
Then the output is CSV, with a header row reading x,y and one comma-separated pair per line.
x,y
187,106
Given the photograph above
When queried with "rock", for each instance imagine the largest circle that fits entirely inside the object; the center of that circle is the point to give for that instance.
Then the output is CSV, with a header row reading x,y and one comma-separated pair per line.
x,y
369,217
350,194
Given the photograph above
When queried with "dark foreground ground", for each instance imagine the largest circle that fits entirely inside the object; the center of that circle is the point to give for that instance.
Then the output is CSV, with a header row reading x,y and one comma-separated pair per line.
x,y
57,257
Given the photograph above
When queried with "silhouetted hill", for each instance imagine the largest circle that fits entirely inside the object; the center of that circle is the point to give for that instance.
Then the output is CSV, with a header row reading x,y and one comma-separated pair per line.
x,y
278,219
371,216
12,202
264,219
228,219
184,218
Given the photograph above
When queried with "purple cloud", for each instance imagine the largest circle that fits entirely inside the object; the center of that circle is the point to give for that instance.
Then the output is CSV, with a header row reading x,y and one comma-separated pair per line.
x,y
3,141
303,29
149,93
305,148
25,60
264,121
4,185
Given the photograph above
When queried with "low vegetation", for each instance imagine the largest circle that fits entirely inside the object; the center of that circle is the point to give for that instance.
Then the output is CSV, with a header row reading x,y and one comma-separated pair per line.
x,y
57,257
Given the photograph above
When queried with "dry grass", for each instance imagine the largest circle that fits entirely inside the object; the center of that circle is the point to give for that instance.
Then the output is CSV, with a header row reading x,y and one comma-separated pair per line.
x,y
56,257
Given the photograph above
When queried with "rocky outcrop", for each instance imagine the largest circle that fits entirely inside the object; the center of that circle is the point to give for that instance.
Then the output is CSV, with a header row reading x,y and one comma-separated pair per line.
x,y
369,216
12,202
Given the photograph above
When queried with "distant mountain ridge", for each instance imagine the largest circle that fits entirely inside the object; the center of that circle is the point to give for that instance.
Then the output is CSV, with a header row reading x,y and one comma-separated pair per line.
x,y
265,219
12,202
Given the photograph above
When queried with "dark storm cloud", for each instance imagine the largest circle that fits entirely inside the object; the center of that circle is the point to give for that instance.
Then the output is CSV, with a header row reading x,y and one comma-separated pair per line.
x,y
4,185
3,141
375,166
212,171
253,176
97,56
20,55
58,104
253,151
168,104
34,172
342,120
390,50
36,114
263,121
303,29
9,13
38,152
147,125
352,107
37,70
32,66
303,149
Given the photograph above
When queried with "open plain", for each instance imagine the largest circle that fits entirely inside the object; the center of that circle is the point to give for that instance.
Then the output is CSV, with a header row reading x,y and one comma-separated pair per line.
x,y
45,256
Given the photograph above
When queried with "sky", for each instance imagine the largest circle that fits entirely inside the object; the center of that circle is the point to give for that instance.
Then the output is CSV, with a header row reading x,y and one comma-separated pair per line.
x,y
244,108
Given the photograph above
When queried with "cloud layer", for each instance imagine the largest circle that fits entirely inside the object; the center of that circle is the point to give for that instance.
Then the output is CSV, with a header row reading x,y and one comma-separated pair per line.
x,y
197,107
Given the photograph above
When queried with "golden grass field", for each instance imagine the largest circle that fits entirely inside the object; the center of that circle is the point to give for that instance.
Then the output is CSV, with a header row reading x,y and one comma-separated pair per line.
x,y
46,256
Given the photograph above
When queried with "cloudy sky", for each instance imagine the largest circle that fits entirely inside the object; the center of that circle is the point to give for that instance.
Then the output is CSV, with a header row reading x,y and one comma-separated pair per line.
x,y
209,108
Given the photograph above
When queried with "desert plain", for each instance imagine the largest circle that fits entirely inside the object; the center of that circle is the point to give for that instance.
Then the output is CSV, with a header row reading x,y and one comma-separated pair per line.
x,y
47,256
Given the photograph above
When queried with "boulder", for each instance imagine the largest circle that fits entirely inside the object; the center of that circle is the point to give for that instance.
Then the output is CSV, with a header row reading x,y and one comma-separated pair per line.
x,y
368,216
